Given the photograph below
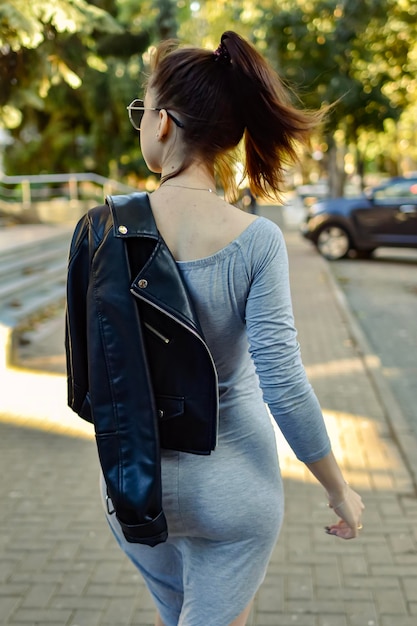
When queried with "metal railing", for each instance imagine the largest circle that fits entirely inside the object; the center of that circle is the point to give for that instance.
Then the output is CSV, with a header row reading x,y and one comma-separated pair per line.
x,y
19,193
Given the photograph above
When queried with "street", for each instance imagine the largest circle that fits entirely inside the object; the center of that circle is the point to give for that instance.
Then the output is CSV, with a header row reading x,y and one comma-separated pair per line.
x,y
382,295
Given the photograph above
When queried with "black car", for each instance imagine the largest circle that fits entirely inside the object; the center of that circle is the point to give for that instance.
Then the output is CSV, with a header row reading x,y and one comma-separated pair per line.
x,y
386,216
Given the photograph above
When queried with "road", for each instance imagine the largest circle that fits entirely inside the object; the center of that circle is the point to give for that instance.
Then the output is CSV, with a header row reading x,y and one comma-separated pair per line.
x,y
382,295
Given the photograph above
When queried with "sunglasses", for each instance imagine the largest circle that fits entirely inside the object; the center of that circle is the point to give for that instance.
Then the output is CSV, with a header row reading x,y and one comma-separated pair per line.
x,y
136,109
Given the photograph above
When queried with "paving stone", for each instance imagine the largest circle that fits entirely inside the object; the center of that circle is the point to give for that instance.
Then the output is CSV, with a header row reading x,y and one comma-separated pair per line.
x,y
285,619
372,582
326,578
7,606
87,603
40,617
118,610
398,620
74,584
345,593
390,602
403,543
39,596
299,587
412,608
354,564
379,553
83,617
317,607
143,617
410,588
271,598
332,620
394,570
364,616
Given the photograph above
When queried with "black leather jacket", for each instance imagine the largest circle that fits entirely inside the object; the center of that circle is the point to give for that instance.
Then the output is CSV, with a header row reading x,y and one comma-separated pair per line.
x,y
138,365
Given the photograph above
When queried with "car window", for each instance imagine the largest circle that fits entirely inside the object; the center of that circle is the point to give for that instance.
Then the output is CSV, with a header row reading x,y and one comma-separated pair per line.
x,y
398,192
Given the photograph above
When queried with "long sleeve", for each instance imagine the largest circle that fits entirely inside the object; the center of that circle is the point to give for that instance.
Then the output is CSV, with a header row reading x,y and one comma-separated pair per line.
x,y
276,352
76,322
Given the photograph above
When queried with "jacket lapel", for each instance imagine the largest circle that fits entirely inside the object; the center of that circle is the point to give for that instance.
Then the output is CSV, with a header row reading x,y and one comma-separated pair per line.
x,y
158,280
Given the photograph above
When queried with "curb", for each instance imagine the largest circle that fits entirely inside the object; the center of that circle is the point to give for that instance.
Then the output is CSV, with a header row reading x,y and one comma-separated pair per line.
x,y
400,429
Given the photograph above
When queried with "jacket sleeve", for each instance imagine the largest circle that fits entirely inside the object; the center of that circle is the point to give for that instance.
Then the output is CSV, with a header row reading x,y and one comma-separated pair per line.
x,y
76,324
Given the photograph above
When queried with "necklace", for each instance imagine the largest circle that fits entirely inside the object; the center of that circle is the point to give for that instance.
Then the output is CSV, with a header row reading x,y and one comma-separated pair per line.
x,y
185,187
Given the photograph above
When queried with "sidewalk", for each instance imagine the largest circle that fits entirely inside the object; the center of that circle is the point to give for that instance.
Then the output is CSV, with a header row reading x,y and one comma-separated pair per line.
x,y
59,565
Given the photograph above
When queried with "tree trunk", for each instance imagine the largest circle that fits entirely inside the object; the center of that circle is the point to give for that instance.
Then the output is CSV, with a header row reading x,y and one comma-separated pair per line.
x,y
359,160
336,169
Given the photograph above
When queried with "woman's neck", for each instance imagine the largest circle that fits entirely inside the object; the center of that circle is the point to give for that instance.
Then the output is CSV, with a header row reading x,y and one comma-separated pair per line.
x,y
194,177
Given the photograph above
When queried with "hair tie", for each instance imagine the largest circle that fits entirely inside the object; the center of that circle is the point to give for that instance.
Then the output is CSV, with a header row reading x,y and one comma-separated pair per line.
x,y
222,54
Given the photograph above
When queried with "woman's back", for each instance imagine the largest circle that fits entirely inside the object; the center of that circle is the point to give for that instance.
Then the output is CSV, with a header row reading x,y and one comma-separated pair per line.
x,y
196,223
219,285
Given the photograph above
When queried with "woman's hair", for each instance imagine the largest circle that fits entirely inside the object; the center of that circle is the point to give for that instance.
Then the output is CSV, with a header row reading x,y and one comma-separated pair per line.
x,y
225,95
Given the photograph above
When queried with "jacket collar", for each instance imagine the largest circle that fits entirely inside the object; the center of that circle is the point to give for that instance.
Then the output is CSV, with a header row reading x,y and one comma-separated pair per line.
x,y
129,222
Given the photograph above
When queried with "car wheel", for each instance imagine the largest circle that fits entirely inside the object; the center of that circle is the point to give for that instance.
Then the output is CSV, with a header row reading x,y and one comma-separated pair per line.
x,y
333,242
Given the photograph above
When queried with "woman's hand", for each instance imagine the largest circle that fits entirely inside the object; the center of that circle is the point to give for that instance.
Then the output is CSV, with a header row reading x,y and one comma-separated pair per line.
x,y
349,509
345,502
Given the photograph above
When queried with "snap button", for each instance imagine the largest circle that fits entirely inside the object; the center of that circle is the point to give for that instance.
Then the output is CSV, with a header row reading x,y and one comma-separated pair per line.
x,y
122,229
160,413
142,283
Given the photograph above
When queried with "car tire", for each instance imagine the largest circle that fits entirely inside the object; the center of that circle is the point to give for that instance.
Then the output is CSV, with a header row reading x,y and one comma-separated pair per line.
x,y
333,242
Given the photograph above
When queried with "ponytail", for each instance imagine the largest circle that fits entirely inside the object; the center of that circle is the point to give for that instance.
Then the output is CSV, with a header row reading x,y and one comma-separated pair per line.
x,y
273,126
224,96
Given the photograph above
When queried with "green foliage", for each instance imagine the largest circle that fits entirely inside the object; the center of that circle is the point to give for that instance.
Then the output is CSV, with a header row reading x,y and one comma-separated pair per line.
x,y
205,26
68,68
23,23
356,55
35,47
65,86
346,53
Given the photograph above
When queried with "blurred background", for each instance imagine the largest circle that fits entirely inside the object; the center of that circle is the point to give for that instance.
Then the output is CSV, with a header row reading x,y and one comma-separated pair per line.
x,y
69,68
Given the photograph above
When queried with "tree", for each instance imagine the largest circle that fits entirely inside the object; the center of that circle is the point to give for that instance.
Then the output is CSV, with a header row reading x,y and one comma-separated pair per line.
x,y
32,54
68,70
353,54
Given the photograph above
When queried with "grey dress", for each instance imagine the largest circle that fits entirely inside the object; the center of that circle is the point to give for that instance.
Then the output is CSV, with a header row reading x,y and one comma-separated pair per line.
x,y
224,511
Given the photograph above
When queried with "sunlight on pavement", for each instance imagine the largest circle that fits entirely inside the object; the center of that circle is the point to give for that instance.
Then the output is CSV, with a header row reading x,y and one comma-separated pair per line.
x,y
368,460
38,400
340,366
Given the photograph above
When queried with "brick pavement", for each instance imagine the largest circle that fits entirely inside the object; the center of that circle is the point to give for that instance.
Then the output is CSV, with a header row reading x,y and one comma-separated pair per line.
x,y
59,565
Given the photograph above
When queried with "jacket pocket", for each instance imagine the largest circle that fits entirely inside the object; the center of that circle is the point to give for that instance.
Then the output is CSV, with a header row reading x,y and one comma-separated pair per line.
x,y
170,407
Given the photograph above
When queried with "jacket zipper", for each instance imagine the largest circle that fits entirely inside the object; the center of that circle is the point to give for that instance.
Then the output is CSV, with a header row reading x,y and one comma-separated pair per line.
x,y
156,332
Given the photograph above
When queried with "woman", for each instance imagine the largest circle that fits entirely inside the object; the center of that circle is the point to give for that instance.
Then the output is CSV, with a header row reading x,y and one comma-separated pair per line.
x,y
224,510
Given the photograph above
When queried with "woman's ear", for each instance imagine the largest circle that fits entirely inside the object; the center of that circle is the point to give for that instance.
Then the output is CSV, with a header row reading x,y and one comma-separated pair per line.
x,y
163,126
